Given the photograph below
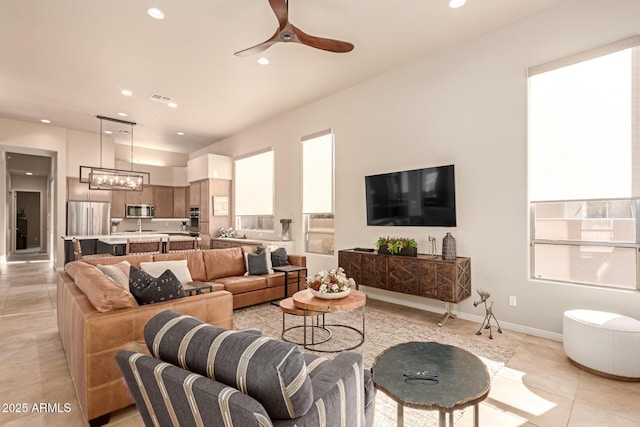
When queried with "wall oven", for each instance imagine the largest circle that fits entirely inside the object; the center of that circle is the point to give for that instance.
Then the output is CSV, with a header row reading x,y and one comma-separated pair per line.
x,y
194,221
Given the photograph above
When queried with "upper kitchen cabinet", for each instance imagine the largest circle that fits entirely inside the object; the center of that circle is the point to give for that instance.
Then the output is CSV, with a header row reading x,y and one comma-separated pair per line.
x,y
194,194
204,199
163,200
79,191
144,197
118,200
180,199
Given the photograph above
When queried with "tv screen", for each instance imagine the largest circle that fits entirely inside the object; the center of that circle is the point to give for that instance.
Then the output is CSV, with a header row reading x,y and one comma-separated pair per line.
x,y
420,197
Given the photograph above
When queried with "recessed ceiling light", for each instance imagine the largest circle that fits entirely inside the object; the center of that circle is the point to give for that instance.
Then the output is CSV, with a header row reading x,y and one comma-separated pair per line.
x,y
172,104
122,114
454,4
108,132
180,133
28,173
155,13
263,61
45,121
126,92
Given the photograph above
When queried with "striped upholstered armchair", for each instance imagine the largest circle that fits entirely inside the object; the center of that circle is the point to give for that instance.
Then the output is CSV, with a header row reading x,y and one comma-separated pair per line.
x,y
199,374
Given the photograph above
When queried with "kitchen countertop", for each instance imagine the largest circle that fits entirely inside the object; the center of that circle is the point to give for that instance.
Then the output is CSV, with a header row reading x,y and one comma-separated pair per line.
x,y
127,234
122,239
241,239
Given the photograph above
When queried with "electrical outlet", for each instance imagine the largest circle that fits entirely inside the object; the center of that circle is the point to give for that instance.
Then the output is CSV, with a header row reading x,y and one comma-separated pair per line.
x,y
512,301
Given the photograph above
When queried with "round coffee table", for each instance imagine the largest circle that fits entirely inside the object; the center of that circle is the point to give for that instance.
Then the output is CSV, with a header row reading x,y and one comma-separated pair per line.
x,y
287,307
431,376
305,301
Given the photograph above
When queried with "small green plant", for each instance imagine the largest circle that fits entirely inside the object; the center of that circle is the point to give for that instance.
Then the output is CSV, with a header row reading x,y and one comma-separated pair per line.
x,y
395,244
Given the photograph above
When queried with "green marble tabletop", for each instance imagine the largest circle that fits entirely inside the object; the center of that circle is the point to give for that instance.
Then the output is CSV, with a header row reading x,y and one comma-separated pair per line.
x,y
430,375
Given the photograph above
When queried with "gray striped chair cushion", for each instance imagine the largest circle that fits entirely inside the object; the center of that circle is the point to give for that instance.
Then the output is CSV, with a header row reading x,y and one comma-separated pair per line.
x,y
272,372
167,395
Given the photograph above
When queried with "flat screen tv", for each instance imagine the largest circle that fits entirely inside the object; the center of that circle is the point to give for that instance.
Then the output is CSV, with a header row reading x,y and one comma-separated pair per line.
x,y
420,197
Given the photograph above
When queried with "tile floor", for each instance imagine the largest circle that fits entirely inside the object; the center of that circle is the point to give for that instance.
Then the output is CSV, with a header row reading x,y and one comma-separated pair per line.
x,y
538,387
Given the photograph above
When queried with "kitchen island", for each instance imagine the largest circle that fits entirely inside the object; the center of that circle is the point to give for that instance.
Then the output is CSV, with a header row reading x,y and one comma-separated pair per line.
x,y
110,244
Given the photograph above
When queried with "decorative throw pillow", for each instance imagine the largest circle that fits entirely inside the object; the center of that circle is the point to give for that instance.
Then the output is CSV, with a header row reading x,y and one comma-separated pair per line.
x,y
179,268
119,273
148,290
258,263
278,256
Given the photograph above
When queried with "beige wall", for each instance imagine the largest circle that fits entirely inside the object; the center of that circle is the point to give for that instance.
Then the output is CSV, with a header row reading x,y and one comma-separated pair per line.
x,y
466,106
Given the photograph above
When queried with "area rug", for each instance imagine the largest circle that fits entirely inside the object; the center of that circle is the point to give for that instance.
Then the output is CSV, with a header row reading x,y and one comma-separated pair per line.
x,y
382,330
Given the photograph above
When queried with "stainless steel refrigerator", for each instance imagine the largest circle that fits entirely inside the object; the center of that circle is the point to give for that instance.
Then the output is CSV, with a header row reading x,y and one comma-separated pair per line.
x,y
88,218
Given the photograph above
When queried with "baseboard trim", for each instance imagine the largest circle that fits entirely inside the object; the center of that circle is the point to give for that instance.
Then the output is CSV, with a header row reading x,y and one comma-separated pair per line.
x,y
438,307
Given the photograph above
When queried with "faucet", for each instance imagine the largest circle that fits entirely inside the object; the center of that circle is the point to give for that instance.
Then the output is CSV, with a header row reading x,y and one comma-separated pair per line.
x,y
139,226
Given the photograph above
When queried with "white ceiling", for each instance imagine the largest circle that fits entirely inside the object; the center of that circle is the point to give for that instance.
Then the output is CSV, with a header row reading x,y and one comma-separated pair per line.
x,y
68,60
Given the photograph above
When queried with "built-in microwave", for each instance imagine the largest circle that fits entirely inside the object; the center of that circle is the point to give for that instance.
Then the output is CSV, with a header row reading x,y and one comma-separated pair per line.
x,y
139,211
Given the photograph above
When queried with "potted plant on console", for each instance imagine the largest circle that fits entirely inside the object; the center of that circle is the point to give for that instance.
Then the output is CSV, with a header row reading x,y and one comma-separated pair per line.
x,y
397,246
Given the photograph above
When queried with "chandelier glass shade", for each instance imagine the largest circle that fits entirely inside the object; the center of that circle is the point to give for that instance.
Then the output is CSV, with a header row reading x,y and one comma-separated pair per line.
x,y
100,178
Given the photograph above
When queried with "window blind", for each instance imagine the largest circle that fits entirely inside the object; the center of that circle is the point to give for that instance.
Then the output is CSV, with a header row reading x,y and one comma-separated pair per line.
x,y
583,128
254,176
317,173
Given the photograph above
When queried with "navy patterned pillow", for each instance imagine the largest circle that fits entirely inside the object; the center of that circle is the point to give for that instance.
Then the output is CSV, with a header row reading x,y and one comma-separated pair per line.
x,y
148,289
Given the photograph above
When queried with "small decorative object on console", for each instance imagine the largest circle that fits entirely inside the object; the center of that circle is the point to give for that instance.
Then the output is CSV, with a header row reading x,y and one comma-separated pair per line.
x,y
449,247
397,246
227,232
330,284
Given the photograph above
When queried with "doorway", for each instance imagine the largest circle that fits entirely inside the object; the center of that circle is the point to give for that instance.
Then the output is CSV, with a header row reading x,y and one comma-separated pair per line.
x,y
28,231
29,218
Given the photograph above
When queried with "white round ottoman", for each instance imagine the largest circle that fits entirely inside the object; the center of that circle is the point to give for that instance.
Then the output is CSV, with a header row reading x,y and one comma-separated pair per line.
x,y
606,344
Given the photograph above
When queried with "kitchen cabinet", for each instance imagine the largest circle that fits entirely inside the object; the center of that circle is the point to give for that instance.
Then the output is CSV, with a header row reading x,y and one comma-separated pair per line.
x,y
194,194
118,200
204,200
163,201
144,197
180,208
79,191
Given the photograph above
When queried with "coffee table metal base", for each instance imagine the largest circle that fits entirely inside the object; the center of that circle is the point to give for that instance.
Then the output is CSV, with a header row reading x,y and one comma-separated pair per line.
x,y
311,346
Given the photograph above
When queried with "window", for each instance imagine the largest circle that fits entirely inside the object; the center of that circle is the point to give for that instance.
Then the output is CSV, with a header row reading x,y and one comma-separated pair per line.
x,y
253,180
584,167
317,192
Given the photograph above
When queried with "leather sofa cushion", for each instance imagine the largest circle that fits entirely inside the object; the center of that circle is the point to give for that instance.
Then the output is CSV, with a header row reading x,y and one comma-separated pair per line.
x,y
271,371
103,293
241,284
223,263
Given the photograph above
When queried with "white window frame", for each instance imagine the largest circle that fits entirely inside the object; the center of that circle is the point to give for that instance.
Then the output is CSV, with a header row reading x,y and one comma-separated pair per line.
x,y
594,238
260,173
319,215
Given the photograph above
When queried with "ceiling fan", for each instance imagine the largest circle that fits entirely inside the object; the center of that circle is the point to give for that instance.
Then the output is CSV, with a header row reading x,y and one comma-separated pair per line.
x,y
288,33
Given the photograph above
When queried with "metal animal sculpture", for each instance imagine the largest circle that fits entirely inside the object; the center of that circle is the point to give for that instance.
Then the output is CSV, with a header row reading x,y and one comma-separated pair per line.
x,y
486,323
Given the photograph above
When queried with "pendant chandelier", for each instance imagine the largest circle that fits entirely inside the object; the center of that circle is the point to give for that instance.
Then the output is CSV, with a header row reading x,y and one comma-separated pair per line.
x,y
100,178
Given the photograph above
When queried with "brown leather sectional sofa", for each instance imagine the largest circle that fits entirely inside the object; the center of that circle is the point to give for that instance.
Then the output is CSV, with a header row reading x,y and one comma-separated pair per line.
x,y
96,319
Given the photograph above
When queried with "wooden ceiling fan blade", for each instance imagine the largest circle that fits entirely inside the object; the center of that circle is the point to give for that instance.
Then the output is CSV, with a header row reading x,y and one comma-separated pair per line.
x,y
281,10
331,45
256,49
259,47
